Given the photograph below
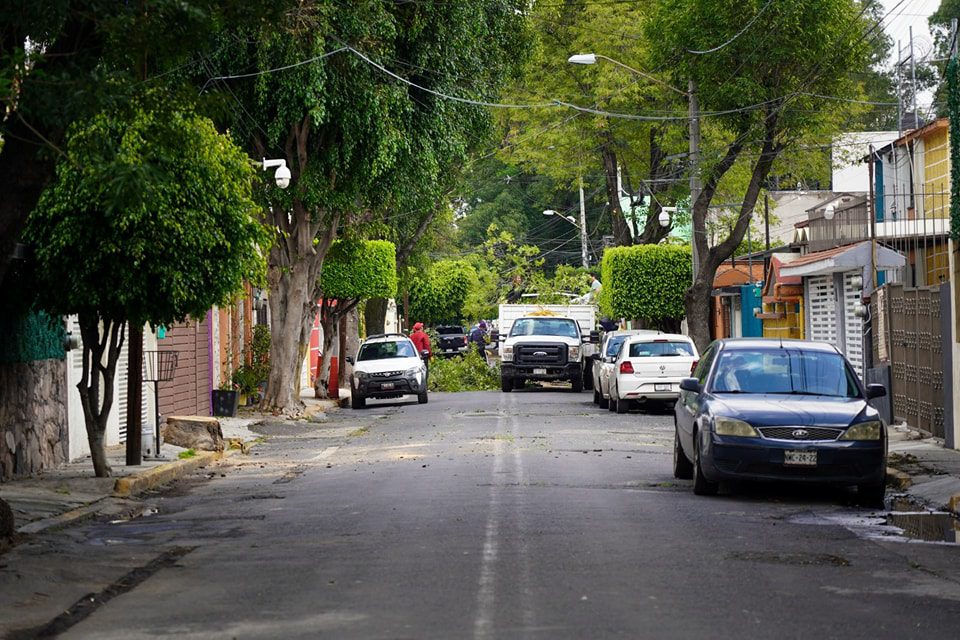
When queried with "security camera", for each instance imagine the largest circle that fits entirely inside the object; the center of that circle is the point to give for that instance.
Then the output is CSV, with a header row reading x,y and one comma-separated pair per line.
x,y
282,175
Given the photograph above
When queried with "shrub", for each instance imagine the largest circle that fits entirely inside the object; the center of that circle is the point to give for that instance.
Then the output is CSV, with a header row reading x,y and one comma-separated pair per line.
x,y
645,282
464,373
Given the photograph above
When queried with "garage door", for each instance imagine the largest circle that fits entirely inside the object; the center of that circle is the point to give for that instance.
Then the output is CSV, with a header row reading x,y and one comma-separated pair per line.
x,y
852,323
822,318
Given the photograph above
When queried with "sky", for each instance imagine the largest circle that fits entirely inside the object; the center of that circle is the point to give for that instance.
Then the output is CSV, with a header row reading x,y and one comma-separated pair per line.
x,y
897,24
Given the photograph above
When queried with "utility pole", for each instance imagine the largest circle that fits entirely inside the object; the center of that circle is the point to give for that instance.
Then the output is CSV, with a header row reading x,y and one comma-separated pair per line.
x,y
583,228
694,167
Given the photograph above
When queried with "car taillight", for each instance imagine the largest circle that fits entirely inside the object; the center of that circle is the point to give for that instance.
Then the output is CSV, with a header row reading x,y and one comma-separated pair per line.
x,y
693,367
626,367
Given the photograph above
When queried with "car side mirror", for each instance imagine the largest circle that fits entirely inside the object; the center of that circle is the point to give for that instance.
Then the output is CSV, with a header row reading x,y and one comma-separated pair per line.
x,y
495,336
690,384
876,391
593,338
349,359
424,353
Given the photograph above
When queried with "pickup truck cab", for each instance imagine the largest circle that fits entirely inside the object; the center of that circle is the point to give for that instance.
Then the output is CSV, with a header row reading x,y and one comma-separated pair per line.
x,y
545,347
451,340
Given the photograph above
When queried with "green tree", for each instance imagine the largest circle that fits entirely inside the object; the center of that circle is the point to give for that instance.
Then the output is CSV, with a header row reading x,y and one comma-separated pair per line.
x,y
359,141
64,61
439,296
764,84
352,271
151,219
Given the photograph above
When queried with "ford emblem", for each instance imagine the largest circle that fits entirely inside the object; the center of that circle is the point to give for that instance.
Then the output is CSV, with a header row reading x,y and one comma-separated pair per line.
x,y
800,434
540,354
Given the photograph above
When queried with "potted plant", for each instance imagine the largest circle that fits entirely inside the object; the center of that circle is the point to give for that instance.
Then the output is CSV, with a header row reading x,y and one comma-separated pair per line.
x,y
226,399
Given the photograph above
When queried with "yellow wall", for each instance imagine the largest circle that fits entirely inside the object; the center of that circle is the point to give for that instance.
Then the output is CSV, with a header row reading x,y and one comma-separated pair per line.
x,y
790,326
936,172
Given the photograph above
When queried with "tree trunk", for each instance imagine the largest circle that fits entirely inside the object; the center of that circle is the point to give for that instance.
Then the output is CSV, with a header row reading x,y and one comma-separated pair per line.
x,y
621,232
329,323
375,315
100,354
698,313
290,308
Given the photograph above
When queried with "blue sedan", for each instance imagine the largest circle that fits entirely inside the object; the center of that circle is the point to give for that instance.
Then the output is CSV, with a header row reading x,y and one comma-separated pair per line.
x,y
767,409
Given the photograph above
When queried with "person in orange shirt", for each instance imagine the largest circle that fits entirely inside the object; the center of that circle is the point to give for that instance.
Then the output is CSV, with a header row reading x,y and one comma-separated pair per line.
x,y
421,341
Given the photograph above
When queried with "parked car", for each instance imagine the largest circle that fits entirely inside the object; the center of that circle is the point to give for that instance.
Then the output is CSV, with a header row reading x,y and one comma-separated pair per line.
x,y
603,363
451,340
779,410
387,366
649,368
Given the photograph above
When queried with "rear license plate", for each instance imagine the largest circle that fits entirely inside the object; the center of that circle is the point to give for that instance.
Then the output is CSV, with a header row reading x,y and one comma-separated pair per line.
x,y
539,372
448,350
800,458
387,385
661,387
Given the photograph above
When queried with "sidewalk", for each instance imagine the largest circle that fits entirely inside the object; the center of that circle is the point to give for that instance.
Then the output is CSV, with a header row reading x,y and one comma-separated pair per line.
x,y
72,492
923,469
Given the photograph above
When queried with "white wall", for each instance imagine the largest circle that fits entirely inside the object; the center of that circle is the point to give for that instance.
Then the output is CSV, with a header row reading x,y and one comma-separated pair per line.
x,y
846,153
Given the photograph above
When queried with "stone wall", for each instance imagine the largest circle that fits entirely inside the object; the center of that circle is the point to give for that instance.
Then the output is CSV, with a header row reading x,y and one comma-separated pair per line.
x,y
33,417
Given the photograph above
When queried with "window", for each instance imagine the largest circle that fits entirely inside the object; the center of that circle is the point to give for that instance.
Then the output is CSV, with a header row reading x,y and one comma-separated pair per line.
x,y
703,367
664,349
562,327
785,371
613,345
383,350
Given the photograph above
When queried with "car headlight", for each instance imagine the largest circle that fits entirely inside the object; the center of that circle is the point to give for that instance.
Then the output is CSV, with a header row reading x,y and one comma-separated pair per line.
x,y
733,427
413,373
506,354
573,353
864,431
361,375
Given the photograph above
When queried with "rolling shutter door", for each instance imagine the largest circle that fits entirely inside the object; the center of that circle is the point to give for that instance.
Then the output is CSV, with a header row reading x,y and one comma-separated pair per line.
x,y
821,296
852,323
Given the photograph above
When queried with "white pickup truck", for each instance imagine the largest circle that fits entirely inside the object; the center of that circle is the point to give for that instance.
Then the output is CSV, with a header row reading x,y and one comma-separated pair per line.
x,y
546,342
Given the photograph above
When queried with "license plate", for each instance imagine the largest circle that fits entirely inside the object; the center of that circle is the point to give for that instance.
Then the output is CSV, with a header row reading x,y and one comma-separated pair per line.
x,y
539,372
800,458
661,387
387,385
448,350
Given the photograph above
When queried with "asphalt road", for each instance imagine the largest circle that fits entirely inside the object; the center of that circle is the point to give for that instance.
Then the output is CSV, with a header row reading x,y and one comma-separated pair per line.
x,y
486,515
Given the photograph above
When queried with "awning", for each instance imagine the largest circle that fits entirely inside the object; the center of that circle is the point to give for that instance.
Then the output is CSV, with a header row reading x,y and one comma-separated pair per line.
x,y
854,257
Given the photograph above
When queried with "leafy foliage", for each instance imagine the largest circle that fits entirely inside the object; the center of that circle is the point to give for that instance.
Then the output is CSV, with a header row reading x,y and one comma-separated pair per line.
x,y
151,218
645,282
439,296
360,269
463,373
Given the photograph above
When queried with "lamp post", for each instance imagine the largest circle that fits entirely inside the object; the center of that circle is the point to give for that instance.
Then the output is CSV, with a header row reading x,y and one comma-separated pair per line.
x,y
694,118
582,227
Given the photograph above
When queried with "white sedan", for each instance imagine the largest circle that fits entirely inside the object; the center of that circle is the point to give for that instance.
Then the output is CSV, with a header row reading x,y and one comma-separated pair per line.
x,y
603,360
650,368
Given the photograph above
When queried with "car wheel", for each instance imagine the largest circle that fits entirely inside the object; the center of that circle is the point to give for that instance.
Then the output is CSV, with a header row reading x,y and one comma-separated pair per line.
x,y
588,380
506,384
577,383
604,402
623,405
612,401
422,397
701,486
357,401
872,495
682,468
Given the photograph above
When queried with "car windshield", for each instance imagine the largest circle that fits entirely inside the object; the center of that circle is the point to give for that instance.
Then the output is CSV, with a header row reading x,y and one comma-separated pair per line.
x,y
383,350
660,349
563,327
785,371
613,345
450,330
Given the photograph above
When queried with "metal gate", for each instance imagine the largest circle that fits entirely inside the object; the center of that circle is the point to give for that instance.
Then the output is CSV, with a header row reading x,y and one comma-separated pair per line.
x,y
852,323
822,305
908,336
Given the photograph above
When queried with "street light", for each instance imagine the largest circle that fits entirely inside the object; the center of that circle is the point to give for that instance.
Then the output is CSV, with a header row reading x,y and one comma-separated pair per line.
x,y
282,175
582,227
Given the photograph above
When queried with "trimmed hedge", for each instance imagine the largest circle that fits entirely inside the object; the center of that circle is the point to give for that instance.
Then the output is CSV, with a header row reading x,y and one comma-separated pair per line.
x,y
360,269
645,282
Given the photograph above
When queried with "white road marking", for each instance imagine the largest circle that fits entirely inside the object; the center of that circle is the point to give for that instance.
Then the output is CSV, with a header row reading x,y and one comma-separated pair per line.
x,y
483,624
326,453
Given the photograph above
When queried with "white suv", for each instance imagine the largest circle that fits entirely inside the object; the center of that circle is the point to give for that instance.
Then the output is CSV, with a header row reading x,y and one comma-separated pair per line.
x,y
650,368
387,366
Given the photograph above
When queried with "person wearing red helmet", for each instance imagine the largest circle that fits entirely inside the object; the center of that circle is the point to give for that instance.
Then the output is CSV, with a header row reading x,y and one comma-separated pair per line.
x,y
421,341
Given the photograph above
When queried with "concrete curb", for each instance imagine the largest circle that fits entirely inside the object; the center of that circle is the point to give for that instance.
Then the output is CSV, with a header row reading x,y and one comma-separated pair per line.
x,y
162,474
898,479
68,517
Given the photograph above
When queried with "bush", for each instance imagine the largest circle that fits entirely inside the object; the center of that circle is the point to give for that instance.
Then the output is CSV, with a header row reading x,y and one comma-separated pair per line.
x,y
464,373
645,282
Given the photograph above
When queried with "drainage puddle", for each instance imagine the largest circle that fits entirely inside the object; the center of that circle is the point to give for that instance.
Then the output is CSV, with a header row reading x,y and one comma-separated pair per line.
x,y
928,526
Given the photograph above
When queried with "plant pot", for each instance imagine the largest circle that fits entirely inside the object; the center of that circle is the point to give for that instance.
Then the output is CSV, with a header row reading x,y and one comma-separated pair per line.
x,y
225,403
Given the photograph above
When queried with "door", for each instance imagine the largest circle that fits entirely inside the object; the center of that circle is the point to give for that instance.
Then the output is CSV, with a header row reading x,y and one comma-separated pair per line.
x,y
852,323
822,309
